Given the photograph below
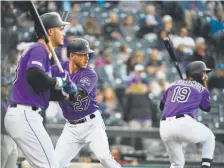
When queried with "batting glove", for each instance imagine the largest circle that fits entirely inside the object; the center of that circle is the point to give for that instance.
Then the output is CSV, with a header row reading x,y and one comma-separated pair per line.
x,y
63,81
70,88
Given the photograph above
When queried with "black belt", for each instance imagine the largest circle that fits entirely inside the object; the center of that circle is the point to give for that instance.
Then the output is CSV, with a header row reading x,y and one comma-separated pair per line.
x,y
34,108
75,122
178,116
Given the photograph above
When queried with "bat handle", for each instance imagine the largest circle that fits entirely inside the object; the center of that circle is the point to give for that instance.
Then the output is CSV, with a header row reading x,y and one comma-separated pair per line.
x,y
55,56
178,70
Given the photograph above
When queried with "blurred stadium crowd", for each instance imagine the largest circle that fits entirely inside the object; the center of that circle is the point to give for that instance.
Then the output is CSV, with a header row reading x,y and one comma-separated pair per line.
x,y
131,61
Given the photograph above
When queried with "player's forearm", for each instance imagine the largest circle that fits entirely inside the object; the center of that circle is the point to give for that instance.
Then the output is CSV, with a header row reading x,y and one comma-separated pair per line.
x,y
39,81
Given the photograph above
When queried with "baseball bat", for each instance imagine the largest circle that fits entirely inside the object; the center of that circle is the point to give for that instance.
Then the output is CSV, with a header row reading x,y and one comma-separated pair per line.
x,y
36,17
172,54
65,15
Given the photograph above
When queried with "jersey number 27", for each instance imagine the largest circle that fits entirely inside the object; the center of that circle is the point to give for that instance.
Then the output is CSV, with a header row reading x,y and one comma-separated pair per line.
x,y
181,94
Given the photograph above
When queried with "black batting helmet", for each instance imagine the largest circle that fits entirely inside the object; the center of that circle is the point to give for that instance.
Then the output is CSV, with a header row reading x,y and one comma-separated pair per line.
x,y
196,68
50,20
79,46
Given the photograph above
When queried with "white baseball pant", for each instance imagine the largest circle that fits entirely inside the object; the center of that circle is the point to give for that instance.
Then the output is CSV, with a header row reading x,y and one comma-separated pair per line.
x,y
174,132
91,133
26,128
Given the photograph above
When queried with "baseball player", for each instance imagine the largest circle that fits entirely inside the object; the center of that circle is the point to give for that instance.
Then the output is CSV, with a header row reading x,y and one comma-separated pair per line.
x,y
9,153
180,104
31,93
84,125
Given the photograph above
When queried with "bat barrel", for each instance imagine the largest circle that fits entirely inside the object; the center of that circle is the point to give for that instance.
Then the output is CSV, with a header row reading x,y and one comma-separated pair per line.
x,y
65,15
172,54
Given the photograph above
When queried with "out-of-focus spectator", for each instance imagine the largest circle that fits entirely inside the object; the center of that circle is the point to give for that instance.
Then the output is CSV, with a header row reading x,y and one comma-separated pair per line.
x,y
137,58
217,22
111,30
217,81
10,64
52,6
158,87
122,56
111,75
134,162
9,153
129,6
99,100
74,28
112,106
86,157
75,8
190,9
138,74
154,65
184,40
91,27
151,18
151,22
210,7
8,18
117,156
138,106
127,28
201,54
168,25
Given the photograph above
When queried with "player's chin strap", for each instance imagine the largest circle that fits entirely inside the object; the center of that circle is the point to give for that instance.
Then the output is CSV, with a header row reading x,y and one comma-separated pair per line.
x,y
206,163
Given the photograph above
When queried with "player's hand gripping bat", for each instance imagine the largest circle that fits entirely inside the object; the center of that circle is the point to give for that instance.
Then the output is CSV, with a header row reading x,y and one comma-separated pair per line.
x,y
172,55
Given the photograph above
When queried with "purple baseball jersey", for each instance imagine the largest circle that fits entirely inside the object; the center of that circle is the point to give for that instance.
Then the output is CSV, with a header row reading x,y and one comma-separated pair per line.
x,y
185,97
85,79
35,57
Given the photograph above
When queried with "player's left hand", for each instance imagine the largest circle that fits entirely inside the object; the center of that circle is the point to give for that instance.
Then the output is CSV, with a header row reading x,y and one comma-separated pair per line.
x,y
69,90
70,87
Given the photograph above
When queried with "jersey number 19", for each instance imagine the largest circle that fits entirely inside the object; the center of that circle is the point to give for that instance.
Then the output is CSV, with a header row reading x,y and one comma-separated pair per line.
x,y
181,94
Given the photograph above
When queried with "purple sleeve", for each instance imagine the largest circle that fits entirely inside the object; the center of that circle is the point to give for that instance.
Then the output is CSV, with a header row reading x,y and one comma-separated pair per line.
x,y
205,100
38,59
87,82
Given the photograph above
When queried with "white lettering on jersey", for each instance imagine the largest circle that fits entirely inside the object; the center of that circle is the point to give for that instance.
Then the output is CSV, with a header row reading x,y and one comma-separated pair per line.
x,y
37,63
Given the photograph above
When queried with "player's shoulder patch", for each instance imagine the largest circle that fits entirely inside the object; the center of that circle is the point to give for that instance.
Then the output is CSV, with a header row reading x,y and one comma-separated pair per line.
x,y
85,81
37,63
